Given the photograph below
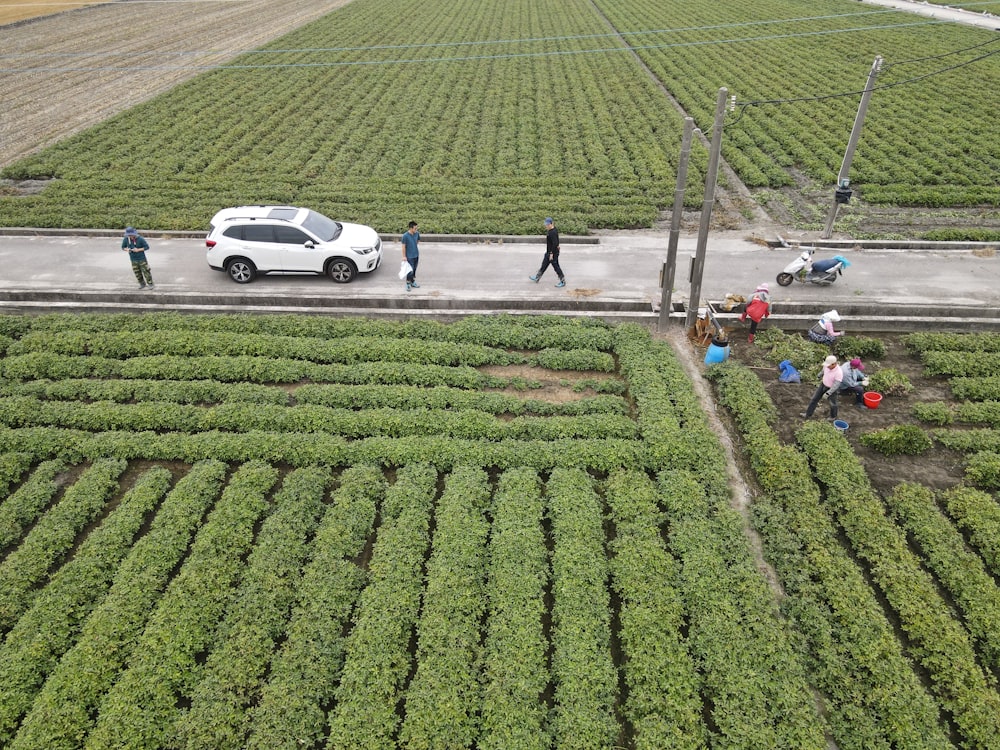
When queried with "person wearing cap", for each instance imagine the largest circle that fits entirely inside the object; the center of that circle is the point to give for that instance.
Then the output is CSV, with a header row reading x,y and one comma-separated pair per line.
x,y
758,308
831,377
551,253
822,332
854,380
137,246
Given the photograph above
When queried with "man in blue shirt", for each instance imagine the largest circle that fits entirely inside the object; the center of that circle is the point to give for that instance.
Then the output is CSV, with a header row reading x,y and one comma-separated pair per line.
x,y
137,246
411,254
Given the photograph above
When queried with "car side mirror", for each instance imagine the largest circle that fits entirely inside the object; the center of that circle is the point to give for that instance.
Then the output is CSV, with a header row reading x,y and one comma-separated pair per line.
x,y
309,245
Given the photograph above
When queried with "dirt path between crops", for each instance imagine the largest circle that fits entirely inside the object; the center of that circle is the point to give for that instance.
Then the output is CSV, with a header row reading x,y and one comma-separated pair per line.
x,y
62,73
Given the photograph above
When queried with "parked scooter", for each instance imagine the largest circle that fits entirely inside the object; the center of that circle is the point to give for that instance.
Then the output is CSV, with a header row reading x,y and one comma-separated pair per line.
x,y
823,272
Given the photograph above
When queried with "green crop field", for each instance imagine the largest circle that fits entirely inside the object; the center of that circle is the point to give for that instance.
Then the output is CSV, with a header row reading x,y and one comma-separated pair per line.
x,y
507,532
481,117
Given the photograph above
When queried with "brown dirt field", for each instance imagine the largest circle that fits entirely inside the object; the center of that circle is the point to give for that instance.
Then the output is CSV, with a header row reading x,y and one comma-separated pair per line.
x,y
69,70
35,9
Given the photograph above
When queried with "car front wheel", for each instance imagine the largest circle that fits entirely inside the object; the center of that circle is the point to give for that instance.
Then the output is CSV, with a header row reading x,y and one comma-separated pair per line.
x,y
241,270
341,271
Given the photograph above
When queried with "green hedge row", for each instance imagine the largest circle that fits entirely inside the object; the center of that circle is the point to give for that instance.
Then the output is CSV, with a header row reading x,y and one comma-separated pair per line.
x,y
969,441
873,697
663,703
961,363
505,331
515,670
48,629
12,467
67,705
444,698
255,623
976,389
377,660
140,710
983,469
943,413
584,676
126,391
21,508
52,537
242,417
952,342
310,449
977,514
291,710
937,640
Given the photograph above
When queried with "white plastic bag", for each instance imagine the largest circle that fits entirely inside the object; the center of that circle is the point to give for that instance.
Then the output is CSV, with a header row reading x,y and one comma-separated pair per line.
x,y
405,269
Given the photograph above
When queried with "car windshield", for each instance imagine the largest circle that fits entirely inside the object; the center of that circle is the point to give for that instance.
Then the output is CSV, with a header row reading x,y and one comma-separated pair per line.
x,y
322,226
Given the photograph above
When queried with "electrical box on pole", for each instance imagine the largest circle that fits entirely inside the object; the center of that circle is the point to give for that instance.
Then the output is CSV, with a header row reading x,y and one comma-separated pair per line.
x,y
842,193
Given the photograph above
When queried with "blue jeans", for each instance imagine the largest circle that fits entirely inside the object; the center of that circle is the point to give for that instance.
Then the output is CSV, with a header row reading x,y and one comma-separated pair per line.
x,y
412,275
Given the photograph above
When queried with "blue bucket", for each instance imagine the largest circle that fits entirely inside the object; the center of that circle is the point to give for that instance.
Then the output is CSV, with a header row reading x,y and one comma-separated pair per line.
x,y
841,425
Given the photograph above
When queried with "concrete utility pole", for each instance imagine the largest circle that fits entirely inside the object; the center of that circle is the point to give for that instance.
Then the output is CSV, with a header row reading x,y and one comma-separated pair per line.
x,y
698,269
842,193
670,266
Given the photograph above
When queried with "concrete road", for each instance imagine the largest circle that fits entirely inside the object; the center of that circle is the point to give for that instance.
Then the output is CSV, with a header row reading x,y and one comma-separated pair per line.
x,y
621,267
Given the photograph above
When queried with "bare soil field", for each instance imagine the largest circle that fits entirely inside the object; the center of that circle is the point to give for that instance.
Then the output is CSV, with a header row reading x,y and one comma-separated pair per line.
x,y
66,71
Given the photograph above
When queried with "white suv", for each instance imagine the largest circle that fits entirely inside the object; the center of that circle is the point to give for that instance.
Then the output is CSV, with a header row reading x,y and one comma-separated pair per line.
x,y
248,240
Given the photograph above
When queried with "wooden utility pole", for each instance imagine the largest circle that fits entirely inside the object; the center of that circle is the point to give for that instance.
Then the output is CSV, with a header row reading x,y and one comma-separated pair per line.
x,y
698,269
670,266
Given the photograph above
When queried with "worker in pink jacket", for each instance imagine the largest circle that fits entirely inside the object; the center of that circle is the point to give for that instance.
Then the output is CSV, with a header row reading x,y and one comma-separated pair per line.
x,y
831,377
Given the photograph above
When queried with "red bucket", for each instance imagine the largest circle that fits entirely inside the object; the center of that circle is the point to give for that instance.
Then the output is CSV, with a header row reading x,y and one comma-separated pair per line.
x,y
872,400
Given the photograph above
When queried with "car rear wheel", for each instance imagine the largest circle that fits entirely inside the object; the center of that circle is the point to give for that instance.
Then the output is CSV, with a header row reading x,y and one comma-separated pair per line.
x,y
341,270
241,270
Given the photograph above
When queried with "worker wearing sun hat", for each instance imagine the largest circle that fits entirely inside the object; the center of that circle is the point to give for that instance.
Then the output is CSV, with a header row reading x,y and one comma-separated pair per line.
x,y
831,377
758,308
854,380
822,332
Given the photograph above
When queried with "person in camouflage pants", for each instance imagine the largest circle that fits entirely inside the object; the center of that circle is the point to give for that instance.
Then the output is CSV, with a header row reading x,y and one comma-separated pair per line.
x,y
137,246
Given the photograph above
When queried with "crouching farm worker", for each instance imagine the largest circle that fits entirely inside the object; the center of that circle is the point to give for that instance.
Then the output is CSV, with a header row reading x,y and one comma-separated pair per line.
x,y
822,332
854,380
758,308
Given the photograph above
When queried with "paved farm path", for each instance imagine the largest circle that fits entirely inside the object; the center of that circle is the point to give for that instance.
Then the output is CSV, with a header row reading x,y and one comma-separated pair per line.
x,y
65,72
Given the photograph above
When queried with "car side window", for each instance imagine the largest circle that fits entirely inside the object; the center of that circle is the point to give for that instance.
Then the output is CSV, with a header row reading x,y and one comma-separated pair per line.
x,y
258,233
291,235
234,232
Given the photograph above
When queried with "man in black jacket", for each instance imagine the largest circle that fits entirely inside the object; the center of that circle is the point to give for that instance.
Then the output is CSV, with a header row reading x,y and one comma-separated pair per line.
x,y
551,253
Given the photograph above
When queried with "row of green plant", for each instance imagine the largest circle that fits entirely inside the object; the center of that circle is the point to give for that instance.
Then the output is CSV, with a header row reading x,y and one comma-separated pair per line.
x,y
918,343
937,641
377,660
346,351
142,707
961,363
12,468
51,625
242,417
443,700
969,440
507,331
976,389
65,708
515,648
977,514
52,537
872,697
663,688
340,396
960,571
584,677
256,620
316,449
983,469
945,413
20,509
290,711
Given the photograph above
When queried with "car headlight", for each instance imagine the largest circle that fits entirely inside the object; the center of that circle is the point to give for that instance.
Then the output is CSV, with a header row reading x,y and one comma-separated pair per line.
x,y
363,250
